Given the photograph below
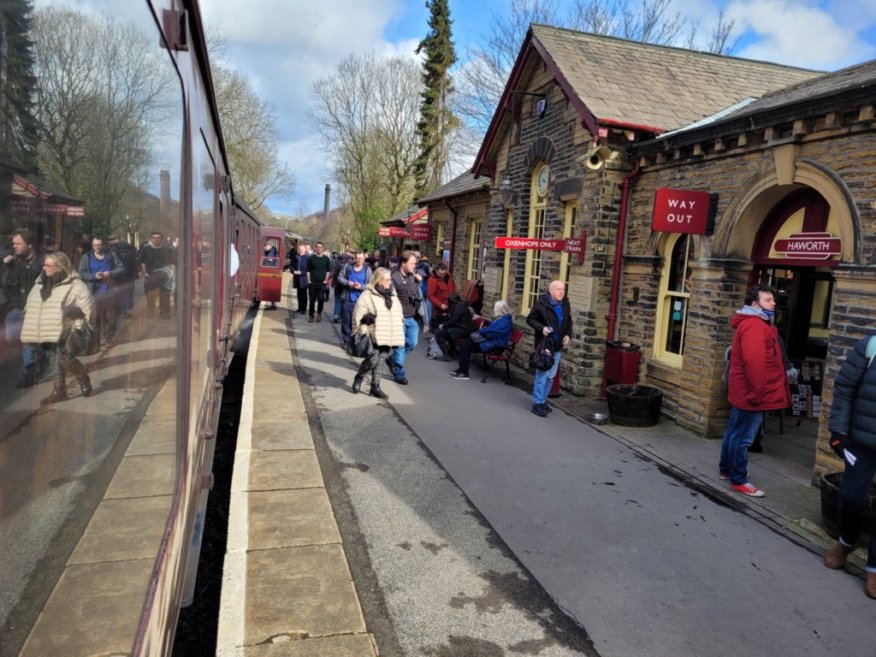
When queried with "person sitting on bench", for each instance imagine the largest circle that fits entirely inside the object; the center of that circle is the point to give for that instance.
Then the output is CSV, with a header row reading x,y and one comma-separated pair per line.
x,y
495,335
457,324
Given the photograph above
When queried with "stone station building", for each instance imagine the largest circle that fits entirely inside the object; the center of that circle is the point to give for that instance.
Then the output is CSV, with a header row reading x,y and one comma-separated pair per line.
x,y
590,127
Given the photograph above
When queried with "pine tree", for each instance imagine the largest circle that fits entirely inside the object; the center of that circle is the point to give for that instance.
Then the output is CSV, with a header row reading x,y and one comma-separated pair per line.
x,y
436,118
18,127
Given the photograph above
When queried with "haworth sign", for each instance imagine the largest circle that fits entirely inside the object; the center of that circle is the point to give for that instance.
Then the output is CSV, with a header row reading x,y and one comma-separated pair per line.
x,y
680,211
809,246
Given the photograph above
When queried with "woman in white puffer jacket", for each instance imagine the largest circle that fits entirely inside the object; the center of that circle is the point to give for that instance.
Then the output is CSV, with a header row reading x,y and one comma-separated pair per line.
x,y
58,318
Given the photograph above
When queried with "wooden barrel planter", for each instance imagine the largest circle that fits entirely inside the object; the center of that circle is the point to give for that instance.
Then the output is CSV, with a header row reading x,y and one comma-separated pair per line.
x,y
634,405
831,483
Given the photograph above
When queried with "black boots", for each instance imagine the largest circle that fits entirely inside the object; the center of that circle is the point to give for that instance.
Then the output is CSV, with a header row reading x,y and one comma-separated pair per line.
x,y
29,377
357,383
377,392
85,385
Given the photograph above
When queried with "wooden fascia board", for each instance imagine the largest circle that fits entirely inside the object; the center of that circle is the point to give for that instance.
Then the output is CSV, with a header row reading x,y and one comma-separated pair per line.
x,y
588,119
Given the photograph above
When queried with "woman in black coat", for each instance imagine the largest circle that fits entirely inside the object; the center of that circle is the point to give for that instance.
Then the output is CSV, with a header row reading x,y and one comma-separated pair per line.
x,y
853,437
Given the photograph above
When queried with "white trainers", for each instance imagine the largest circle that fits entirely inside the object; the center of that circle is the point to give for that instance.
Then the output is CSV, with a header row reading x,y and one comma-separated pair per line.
x,y
748,489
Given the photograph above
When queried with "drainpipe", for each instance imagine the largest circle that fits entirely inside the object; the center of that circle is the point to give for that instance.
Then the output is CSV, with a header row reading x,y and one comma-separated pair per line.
x,y
620,242
452,236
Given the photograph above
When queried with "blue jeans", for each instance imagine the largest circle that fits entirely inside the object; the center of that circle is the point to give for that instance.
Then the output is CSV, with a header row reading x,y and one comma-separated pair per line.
x,y
853,498
544,380
742,427
399,354
339,304
347,319
13,322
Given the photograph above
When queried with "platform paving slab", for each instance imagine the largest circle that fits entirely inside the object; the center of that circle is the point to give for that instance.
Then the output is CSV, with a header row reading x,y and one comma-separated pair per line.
x,y
291,469
120,529
144,476
92,611
300,592
286,518
358,645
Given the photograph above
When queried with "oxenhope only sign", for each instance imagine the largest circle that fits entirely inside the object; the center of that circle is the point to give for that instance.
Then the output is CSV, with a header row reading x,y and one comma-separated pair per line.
x,y
571,245
680,211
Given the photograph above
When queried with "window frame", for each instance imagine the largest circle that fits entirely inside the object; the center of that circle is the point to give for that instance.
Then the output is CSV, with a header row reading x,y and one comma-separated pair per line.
x,y
474,248
665,299
538,206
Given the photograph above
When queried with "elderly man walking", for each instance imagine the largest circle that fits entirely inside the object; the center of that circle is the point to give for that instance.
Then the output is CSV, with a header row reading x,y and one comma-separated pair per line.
x,y
757,382
551,317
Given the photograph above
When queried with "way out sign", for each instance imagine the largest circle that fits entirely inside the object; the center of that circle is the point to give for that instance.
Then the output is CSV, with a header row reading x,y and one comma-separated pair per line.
x,y
680,211
572,245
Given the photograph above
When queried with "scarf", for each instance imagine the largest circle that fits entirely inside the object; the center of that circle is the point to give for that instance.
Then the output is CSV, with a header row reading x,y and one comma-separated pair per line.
x,y
49,283
386,293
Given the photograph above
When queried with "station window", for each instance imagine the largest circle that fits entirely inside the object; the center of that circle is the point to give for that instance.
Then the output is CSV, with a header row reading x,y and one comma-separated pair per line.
x,y
474,251
439,238
673,302
537,217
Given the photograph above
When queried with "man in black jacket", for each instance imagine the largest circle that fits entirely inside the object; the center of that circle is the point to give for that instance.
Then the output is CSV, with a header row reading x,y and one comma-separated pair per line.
x,y
551,317
406,282
853,437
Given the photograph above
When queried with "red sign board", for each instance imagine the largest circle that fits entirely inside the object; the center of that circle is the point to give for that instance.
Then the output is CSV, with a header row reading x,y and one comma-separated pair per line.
x,y
809,246
680,211
392,231
530,243
421,232
572,245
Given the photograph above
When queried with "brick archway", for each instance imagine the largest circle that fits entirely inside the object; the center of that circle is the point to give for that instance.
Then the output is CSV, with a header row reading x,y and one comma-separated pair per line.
x,y
541,150
757,197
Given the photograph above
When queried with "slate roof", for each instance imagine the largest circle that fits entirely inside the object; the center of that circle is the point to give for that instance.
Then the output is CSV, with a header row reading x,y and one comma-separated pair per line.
x,y
465,183
659,86
859,80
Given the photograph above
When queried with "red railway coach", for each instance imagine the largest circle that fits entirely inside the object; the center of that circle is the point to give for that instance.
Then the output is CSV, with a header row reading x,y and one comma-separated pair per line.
x,y
105,462
270,270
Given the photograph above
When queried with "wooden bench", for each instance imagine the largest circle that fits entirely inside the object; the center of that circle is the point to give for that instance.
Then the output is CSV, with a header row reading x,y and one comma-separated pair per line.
x,y
502,355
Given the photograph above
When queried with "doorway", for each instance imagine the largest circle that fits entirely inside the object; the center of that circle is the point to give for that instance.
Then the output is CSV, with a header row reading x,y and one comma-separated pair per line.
x,y
803,303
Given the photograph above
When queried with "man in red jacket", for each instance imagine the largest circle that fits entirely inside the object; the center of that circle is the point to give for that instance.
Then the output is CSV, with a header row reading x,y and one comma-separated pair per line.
x,y
757,382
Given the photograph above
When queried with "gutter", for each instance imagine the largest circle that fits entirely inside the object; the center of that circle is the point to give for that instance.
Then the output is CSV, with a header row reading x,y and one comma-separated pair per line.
x,y
620,242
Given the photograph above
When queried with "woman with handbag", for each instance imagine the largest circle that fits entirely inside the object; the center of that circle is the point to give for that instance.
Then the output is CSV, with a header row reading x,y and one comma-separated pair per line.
x,y
58,317
377,313
495,335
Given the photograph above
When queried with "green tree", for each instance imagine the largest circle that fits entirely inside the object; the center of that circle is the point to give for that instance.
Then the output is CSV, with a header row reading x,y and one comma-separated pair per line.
x,y
103,101
437,120
366,115
18,126
249,126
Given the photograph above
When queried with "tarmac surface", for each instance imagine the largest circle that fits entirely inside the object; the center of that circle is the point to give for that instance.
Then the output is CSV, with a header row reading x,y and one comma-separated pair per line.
x,y
452,521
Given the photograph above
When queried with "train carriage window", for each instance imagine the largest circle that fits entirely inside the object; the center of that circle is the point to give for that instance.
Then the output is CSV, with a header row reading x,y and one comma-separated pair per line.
x,y
90,180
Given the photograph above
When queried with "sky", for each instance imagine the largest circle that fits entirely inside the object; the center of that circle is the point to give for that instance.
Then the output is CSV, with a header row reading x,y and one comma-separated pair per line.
x,y
283,46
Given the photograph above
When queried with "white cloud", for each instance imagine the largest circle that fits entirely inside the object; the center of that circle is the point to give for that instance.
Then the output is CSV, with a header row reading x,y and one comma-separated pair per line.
x,y
798,35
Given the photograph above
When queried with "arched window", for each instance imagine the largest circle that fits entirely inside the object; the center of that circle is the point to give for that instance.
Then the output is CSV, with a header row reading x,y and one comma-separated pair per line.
x,y
673,300
537,216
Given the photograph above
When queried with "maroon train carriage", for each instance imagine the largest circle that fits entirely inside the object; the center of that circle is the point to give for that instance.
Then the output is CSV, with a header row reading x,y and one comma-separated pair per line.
x,y
102,487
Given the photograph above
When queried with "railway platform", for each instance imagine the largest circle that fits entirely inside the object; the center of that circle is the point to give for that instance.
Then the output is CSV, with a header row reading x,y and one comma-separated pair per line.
x,y
288,589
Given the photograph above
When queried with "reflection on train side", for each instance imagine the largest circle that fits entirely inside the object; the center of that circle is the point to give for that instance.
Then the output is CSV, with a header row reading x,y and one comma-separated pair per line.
x,y
91,335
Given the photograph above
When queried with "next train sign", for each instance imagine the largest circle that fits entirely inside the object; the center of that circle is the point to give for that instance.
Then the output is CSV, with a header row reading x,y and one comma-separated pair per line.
x,y
682,211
